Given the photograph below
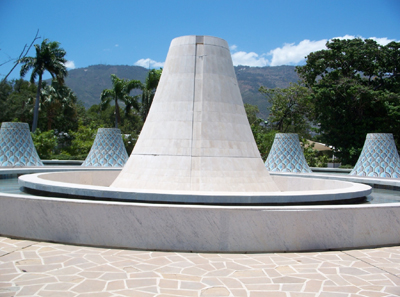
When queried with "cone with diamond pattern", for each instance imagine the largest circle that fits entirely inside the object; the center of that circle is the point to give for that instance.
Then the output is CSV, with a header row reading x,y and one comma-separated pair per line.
x,y
379,157
16,146
286,155
108,149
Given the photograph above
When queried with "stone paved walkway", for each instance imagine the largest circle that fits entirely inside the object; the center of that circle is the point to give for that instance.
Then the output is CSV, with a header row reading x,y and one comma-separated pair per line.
x,y
30,268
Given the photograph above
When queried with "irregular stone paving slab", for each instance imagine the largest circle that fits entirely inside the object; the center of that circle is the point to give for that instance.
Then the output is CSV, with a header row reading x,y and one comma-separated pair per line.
x,y
29,268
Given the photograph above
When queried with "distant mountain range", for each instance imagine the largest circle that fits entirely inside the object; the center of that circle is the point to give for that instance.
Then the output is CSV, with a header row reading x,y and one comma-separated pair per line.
x,y
89,82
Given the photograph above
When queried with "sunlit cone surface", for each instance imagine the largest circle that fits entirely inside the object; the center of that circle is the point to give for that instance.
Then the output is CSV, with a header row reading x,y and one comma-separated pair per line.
x,y
196,136
108,149
379,157
16,146
286,155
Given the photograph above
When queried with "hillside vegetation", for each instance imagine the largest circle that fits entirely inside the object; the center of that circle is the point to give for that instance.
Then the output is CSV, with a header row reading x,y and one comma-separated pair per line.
x,y
89,82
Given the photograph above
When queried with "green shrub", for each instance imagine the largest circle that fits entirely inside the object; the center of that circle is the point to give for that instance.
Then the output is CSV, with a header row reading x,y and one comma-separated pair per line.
x,y
45,143
82,141
313,157
346,166
65,156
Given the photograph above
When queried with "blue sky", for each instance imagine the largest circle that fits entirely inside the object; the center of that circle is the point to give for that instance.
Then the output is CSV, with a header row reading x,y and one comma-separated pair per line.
x,y
260,33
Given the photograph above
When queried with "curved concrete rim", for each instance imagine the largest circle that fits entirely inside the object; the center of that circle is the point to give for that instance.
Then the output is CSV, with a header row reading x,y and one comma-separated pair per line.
x,y
95,184
201,228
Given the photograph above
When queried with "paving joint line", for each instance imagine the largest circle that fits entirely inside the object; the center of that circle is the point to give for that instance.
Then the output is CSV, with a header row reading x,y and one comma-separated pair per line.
x,y
371,264
16,250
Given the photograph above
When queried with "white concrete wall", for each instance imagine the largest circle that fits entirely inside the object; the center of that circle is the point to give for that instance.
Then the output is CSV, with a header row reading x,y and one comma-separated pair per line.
x,y
199,228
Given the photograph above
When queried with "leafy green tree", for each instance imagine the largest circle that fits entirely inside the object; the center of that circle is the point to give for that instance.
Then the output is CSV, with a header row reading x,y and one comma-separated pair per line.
x,y
15,100
148,91
100,116
356,90
5,90
59,104
291,109
120,91
44,142
49,57
82,141
251,111
264,139
313,157
263,136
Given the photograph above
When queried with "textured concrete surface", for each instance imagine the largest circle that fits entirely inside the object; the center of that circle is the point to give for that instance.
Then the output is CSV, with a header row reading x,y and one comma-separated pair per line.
x,y
197,136
31,268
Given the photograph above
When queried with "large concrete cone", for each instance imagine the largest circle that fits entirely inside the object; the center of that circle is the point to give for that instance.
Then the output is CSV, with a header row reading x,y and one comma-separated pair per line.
x,y
108,149
379,157
196,136
16,146
286,155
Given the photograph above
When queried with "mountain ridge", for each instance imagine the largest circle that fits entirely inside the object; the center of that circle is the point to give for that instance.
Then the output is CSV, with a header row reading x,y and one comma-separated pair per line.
x,y
88,82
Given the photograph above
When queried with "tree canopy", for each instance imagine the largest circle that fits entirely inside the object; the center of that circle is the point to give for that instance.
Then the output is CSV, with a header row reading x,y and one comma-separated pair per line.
x,y
15,98
148,91
59,103
120,91
291,110
355,90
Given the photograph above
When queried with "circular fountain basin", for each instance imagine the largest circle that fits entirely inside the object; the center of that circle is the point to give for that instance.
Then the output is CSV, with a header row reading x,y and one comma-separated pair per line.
x,y
191,227
95,185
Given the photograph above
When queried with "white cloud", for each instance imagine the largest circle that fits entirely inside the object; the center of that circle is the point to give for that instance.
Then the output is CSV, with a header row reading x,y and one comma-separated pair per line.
x,y
291,53
149,63
233,47
346,37
70,64
248,59
117,45
382,41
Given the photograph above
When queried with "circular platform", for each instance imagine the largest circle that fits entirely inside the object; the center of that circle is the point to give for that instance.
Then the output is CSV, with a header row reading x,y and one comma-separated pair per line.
x,y
95,185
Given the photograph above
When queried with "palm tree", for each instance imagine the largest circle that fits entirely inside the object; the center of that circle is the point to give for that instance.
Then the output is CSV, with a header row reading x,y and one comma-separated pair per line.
x,y
148,91
49,57
56,100
120,91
